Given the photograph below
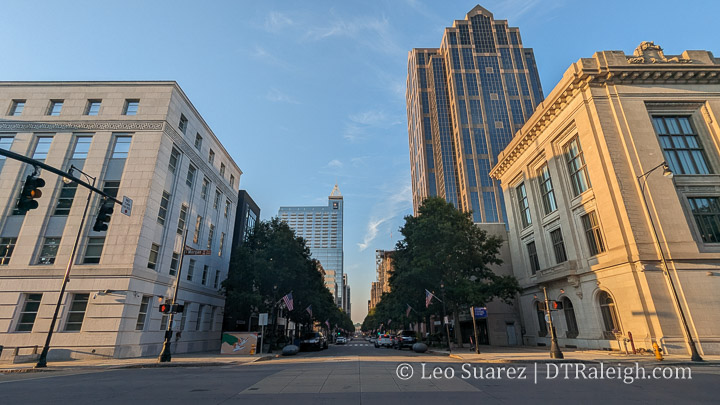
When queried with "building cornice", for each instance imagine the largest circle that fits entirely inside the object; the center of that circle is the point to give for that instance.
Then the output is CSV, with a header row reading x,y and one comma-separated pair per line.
x,y
94,125
647,66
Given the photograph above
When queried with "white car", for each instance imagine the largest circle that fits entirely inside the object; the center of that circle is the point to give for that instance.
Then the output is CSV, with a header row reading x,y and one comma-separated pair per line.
x,y
384,340
340,340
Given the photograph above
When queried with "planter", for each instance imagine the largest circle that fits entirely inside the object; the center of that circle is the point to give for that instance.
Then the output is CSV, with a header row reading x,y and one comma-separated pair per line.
x,y
419,347
290,350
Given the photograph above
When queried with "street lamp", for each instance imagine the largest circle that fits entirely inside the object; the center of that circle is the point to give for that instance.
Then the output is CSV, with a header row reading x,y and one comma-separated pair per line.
x,y
642,182
445,320
555,352
42,360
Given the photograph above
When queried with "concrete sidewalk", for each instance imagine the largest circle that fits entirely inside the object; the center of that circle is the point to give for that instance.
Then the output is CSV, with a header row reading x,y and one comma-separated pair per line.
x,y
524,354
202,359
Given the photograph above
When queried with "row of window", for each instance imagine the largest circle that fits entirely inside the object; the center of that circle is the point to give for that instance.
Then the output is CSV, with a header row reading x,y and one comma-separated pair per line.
x,y
183,125
204,279
48,250
192,172
54,107
608,312
78,306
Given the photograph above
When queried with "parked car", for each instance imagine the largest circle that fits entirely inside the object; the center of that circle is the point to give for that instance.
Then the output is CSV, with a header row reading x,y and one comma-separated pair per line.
x,y
314,341
373,340
341,340
404,338
384,341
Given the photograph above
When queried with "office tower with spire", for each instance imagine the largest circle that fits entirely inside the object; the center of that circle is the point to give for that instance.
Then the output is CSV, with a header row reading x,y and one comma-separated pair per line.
x,y
322,229
465,101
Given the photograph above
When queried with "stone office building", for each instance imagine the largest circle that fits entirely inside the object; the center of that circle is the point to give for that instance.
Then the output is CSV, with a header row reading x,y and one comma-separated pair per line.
x,y
144,140
585,193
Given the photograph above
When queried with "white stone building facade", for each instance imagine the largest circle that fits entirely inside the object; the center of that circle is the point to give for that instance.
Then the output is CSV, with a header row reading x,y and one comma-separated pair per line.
x,y
143,140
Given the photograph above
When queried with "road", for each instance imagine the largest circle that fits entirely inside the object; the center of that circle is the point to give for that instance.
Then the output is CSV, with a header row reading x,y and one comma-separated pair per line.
x,y
355,373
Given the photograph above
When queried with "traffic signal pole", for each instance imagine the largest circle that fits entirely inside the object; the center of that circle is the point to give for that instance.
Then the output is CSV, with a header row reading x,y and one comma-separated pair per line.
x,y
555,352
165,356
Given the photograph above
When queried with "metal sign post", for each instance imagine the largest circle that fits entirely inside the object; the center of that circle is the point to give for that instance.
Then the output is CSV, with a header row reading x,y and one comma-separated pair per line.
x,y
262,321
477,343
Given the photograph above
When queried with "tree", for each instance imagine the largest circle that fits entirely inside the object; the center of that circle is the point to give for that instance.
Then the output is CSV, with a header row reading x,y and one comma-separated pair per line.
x,y
442,246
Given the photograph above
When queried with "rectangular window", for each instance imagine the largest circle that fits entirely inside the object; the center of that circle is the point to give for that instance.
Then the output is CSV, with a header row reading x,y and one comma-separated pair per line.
x,y
211,157
546,189
131,107
211,234
94,249
174,263
55,107
191,269
558,245
42,147
205,187
576,167
164,202
222,243
30,308
152,260
142,314
82,147
199,320
198,141
190,176
217,279
182,219
523,205
217,199
533,257
592,233
198,227
5,143
76,313
7,246
122,147
232,181
111,188
92,107
163,322
49,251
16,108
681,145
67,195
174,158
228,204
203,281
183,124
222,170
706,211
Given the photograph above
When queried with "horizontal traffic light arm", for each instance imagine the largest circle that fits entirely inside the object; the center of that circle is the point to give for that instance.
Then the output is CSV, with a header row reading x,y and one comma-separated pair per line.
x,y
36,163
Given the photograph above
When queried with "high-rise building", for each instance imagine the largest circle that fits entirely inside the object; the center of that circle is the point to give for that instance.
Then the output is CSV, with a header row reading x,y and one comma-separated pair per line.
x,y
384,267
246,217
322,229
144,140
465,101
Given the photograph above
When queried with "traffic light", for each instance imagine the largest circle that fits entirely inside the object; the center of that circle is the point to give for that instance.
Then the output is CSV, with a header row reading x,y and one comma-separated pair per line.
x,y
177,308
106,209
164,308
555,305
30,192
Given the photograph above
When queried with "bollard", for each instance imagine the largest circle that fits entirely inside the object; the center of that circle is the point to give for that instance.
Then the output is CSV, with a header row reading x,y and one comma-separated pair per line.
x,y
658,351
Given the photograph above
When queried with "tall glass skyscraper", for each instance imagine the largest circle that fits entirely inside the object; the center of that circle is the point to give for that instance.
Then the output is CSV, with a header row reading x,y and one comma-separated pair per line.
x,y
322,229
465,101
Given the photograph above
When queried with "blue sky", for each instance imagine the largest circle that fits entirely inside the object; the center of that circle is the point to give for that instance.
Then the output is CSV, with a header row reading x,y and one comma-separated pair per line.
x,y
304,94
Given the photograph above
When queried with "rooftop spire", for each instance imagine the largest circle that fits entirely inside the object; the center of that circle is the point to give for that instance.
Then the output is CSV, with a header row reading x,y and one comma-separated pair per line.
x,y
335,191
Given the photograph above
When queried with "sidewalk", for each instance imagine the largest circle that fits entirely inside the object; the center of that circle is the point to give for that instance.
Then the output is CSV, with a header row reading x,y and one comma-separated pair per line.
x,y
524,354
202,359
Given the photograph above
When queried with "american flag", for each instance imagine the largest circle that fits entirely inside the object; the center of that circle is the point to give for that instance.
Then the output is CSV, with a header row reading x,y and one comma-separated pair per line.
x,y
407,312
288,300
428,298
309,310
328,324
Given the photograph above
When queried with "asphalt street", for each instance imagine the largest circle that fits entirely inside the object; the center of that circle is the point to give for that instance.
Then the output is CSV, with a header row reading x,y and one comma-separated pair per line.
x,y
358,373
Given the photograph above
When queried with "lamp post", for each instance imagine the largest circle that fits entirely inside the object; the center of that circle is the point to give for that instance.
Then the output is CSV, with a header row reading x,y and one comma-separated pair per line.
x,y
555,352
165,355
42,360
642,182
445,320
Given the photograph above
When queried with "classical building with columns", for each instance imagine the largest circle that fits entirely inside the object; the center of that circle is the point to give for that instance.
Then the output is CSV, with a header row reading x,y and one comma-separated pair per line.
x,y
612,190
144,140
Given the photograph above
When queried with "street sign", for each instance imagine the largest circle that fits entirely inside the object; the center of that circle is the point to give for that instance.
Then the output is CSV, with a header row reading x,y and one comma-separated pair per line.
x,y
547,318
196,252
126,206
480,312
263,319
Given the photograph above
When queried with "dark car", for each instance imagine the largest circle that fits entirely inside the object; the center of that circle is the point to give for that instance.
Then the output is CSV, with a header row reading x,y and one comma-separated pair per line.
x,y
405,338
313,341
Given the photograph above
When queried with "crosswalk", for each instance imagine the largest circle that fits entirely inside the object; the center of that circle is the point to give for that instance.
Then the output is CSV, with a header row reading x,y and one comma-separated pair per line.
x,y
357,344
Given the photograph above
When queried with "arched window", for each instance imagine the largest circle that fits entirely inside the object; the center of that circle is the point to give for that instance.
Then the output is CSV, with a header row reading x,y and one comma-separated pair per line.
x,y
543,331
572,327
609,315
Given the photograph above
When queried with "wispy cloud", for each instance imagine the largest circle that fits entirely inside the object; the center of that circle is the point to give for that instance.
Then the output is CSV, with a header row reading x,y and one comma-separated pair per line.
x,y
266,56
397,201
375,33
277,96
276,22
360,124
335,164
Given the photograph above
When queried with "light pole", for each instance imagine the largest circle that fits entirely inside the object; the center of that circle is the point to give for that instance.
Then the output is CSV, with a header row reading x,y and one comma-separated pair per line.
x,y
42,360
165,355
445,320
555,352
642,182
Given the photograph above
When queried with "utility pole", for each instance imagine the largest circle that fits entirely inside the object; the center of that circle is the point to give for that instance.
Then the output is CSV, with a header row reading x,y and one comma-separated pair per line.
x,y
165,355
555,352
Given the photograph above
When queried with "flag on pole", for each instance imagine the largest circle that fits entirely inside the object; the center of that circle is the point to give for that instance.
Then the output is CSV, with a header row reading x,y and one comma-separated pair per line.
x,y
407,312
288,300
328,324
389,322
309,310
428,298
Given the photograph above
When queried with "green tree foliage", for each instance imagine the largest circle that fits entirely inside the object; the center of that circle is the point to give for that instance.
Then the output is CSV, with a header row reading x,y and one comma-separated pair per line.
x,y
271,263
441,246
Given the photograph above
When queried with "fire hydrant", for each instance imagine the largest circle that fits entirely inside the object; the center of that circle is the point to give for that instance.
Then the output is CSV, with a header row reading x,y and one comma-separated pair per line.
x,y
658,351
